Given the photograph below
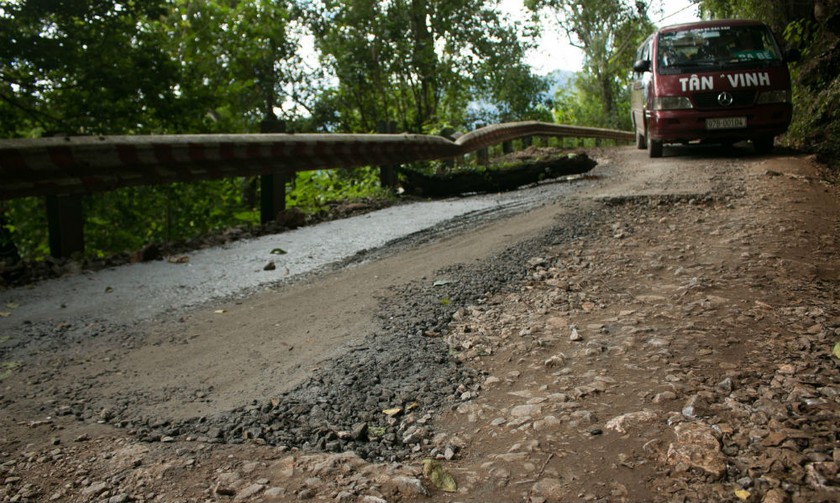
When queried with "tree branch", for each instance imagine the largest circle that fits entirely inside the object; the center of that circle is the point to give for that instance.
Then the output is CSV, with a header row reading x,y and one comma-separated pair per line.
x,y
34,114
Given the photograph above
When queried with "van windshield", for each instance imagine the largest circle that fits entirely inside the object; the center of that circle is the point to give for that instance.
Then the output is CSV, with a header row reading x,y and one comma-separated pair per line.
x,y
716,47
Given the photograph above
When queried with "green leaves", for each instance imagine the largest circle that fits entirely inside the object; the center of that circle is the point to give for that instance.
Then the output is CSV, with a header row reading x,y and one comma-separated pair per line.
x,y
221,66
608,32
420,62
107,67
439,476
128,219
82,67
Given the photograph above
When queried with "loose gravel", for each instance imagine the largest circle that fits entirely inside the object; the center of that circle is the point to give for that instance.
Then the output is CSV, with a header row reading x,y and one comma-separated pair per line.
x,y
405,367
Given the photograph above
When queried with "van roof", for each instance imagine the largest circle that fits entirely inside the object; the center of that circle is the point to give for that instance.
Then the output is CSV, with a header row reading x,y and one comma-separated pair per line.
x,y
711,24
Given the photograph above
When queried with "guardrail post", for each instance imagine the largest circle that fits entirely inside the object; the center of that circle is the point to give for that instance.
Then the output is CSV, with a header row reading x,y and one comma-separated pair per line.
x,y
272,196
448,164
65,223
8,250
387,174
459,160
482,155
272,185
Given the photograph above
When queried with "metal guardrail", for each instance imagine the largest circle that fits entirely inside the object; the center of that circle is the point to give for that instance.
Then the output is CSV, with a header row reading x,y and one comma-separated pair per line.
x,y
79,165
64,168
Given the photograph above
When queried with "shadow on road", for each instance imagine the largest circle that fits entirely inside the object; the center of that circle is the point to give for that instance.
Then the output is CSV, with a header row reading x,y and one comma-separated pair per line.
x,y
716,151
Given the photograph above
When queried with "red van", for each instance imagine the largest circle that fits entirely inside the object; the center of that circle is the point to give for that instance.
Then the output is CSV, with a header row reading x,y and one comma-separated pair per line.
x,y
714,81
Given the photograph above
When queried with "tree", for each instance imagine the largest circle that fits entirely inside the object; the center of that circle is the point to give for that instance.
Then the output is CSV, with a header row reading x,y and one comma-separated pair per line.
x,y
177,66
79,66
608,32
777,14
420,62
237,59
131,67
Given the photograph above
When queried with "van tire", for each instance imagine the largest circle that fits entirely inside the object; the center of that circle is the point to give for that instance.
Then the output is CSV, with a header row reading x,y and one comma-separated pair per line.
x,y
641,141
654,147
763,145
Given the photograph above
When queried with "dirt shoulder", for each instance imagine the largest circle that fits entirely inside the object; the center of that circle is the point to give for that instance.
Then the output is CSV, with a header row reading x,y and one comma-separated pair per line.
x,y
665,334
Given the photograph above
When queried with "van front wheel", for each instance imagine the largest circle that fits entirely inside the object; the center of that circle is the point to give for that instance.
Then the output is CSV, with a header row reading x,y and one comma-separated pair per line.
x,y
654,147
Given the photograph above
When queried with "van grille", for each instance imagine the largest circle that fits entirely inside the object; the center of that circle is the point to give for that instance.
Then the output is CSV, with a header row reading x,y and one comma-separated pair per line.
x,y
710,100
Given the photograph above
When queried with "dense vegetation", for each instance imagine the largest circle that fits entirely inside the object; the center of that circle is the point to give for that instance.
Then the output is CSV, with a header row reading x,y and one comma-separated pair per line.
x,y
83,67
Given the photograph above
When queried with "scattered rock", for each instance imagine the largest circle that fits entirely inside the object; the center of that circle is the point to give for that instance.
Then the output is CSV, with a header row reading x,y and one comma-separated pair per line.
x,y
756,420
409,487
529,410
551,489
631,419
697,446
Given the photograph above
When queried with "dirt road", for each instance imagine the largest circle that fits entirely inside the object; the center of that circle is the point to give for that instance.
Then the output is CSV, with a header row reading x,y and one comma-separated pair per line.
x,y
663,332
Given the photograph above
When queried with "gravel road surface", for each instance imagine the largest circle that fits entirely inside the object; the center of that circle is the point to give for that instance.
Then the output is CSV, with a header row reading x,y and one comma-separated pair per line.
x,y
659,330
136,292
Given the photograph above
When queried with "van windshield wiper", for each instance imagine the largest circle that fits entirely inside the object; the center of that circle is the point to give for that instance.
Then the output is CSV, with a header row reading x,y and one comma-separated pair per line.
x,y
752,62
691,66
716,64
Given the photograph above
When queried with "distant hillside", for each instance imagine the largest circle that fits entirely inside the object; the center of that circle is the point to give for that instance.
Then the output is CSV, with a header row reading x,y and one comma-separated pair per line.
x,y
483,111
560,79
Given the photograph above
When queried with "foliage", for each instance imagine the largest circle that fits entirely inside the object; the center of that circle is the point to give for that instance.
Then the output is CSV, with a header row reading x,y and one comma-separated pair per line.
x,y
156,66
777,14
218,66
128,219
132,217
608,32
238,58
816,124
578,105
27,222
419,62
76,66
313,190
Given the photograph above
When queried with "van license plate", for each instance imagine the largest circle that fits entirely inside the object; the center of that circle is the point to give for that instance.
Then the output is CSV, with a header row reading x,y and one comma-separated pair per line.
x,y
727,123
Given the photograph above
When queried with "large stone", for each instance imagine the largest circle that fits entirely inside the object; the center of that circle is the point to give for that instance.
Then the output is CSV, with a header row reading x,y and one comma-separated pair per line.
x,y
696,406
95,489
823,475
247,492
408,487
623,422
775,496
529,410
359,432
697,447
550,489
284,468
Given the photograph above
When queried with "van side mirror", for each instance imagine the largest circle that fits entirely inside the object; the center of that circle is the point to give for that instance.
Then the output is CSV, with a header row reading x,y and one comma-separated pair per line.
x,y
641,66
792,55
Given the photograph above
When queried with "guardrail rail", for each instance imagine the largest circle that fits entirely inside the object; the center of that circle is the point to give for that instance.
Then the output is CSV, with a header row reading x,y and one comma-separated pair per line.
x,y
64,168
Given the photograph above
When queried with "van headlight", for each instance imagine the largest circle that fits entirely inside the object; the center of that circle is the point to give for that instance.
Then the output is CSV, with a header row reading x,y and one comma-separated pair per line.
x,y
773,97
672,103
